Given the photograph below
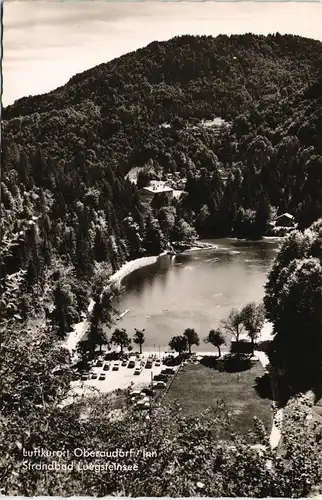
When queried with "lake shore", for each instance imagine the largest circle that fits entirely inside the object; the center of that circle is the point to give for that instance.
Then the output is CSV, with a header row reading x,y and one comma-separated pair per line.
x,y
79,330
116,279
133,265
201,245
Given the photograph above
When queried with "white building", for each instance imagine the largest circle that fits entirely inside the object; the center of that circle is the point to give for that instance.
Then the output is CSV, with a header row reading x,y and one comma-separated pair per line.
x,y
156,188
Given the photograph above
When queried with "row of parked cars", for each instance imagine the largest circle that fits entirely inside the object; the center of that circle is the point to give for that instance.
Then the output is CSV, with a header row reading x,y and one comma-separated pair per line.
x,y
142,398
160,380
87,375
90,374
106,365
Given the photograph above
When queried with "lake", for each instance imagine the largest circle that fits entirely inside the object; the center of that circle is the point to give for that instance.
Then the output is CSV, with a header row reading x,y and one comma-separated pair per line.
x,y
195,289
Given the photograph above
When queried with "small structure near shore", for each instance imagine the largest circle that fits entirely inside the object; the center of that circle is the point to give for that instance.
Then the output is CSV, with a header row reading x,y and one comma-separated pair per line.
x,y
285,220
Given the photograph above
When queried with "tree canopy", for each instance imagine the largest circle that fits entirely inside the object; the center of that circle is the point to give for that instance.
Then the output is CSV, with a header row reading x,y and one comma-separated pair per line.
x,y
192,338
293,304
179,343
120,338
253,319
139,338
216,338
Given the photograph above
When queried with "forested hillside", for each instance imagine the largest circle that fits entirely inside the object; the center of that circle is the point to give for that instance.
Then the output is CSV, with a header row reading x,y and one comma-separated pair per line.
x,y
68,211
65,201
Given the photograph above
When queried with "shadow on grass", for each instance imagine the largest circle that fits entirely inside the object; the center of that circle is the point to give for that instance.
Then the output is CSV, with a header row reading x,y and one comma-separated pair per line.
x,y
210,362
229,364
263,386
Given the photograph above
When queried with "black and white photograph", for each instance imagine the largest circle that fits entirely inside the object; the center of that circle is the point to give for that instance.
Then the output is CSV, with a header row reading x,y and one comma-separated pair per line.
x,y
161,249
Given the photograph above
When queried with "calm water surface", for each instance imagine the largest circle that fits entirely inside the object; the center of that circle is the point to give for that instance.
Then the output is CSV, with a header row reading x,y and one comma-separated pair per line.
x,y
196,289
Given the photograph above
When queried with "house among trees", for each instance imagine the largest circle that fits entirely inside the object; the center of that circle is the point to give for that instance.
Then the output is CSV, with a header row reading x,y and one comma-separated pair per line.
x,y
156,189
285,220
223,174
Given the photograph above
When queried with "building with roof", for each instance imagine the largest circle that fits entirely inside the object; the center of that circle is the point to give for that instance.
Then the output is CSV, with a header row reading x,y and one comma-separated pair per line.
x,y
285,220
156,189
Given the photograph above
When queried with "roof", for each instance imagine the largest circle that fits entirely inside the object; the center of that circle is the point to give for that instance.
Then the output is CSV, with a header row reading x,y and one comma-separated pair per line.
x,y
155,190
289,216
157,187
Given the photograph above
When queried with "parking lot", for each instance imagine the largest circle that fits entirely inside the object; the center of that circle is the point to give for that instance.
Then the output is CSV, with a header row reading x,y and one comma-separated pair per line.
x,y
122,378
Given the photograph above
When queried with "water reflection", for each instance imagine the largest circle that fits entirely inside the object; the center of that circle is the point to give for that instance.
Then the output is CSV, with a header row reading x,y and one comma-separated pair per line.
x,y
196,289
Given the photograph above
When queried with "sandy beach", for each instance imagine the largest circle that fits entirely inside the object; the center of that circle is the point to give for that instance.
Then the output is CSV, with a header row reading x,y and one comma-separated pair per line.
x,y
131,266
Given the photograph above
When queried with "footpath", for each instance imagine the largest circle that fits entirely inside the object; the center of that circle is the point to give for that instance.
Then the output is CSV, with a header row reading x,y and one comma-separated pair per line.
x,y
278,413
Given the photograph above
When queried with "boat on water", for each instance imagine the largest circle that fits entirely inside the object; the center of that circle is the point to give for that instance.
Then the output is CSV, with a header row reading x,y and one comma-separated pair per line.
x,y
123,314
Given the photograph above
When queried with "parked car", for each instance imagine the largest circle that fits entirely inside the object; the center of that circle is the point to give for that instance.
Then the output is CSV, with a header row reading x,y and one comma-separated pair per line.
x,y
102,376
160,385
116,366
142,406
147,391
124,362
106,366
145,399
149,363
138,370
168,371
157,362
85,367
131,363
135,394
94,375
85,376
99,363
161,376
143,403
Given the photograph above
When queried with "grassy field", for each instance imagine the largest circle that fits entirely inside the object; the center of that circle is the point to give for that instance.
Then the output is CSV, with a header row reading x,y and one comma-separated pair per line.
x,y
198,387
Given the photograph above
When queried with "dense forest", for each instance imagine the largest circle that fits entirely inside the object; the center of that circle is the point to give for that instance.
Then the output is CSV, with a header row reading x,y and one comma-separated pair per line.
x,y
69,212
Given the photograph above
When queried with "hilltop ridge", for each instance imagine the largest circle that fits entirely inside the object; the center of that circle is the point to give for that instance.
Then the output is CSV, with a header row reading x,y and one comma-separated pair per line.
x,y
182,60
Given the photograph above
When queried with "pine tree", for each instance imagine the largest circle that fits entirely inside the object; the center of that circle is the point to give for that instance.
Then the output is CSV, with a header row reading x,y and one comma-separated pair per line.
x,y
39,167
100,245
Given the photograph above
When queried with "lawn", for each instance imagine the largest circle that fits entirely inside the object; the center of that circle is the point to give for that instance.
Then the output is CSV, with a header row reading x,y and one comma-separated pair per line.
x,y
197,387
